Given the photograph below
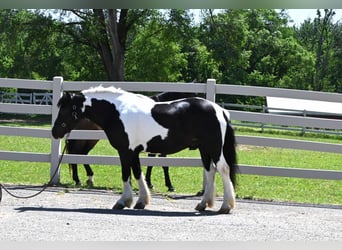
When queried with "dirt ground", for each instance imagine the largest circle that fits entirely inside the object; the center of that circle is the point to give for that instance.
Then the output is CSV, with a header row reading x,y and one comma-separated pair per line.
x,y
86,215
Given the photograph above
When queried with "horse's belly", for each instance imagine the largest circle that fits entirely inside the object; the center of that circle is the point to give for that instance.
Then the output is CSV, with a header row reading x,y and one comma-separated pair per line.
x,y
159,146
173,143
142,129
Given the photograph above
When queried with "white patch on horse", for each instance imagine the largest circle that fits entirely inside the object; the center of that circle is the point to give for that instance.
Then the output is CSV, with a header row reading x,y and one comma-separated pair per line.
x,y
135,113
144,193
126,198
222,166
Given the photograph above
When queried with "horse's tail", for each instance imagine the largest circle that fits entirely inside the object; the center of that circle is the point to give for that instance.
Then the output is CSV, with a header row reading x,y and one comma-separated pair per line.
x,y
229,150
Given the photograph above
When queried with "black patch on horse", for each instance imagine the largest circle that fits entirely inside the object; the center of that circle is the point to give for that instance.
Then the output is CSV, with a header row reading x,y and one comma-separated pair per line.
x,y
188,121
108,118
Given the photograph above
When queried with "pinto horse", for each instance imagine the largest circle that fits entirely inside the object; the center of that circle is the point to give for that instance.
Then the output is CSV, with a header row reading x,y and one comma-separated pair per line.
x,y
84,146
134,123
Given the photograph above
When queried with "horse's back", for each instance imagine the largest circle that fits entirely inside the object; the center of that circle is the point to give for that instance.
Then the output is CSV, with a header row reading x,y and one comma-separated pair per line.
x,y
191,123
193,112
170,96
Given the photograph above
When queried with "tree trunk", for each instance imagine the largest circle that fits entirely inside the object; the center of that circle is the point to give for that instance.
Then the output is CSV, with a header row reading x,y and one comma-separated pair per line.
x,y
323,47
111,45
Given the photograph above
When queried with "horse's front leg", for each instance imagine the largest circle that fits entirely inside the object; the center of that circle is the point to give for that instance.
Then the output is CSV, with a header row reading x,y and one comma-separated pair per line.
x,y
126,198
74,170
149,172
168,183
90,175
144,193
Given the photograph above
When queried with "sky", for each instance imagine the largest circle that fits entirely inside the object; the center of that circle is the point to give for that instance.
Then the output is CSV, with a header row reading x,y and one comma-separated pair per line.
x,y
299,15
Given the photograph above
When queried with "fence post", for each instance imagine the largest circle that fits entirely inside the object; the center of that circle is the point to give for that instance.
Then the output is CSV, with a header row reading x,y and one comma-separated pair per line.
x,y
211,90
55,144
304,115
264,108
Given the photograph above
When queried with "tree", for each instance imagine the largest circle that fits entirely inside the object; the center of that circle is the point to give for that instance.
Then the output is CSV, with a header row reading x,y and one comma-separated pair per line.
x,y
225,34
335,65
153,55
320,37
28,45
106,31
201,63
165,48
256,47
34,46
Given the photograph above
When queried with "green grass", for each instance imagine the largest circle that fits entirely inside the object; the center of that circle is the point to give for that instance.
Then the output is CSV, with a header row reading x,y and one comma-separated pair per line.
x,y
188,180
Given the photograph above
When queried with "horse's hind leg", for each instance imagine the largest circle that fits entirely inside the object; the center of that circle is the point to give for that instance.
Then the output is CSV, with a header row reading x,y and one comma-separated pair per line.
x,y
209,191
148,173
144,193
148,177
229,194
90,175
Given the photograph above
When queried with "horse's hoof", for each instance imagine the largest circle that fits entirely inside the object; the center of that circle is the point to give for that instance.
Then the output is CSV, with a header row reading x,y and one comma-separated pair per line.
x,y
200,193
150,186
78,184
224,210
118,206
90,183
200,207
171,189
139,205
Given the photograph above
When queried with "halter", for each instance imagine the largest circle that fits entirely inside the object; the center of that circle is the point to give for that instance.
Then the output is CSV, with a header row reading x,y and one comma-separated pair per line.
x,y
74,113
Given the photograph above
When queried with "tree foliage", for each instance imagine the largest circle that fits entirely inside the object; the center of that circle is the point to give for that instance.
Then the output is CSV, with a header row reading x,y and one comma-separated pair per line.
x,y
239,46
322,38
154,54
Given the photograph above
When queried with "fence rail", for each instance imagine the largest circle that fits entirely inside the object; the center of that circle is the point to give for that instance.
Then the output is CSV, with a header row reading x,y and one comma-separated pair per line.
x,y
210,89
258,120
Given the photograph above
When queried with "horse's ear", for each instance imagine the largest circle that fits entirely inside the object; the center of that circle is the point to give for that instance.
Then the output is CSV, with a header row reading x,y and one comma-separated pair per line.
x,y
66,98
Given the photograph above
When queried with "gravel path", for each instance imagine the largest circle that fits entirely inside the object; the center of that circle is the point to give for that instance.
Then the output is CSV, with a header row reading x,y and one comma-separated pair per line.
x,y
87,215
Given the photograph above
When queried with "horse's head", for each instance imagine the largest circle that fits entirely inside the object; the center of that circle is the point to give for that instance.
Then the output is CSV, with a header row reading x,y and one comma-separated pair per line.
x,y
70,111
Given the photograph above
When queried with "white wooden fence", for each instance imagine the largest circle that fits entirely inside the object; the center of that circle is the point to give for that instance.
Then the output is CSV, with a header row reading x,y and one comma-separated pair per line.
x,y
26,98
210,89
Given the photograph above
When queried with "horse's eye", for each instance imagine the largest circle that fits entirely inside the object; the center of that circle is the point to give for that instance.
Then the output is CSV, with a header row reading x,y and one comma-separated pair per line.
x,y
63,125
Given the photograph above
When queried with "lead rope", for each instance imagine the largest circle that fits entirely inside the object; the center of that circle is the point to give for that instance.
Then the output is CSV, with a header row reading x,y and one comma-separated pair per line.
x,y
43,187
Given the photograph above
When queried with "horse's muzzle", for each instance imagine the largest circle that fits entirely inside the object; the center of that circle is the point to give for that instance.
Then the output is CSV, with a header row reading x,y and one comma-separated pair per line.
x,y
57,133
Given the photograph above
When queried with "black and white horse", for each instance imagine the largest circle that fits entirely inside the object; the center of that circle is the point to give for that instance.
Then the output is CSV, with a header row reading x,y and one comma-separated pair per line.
x,y
134,123
83,147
